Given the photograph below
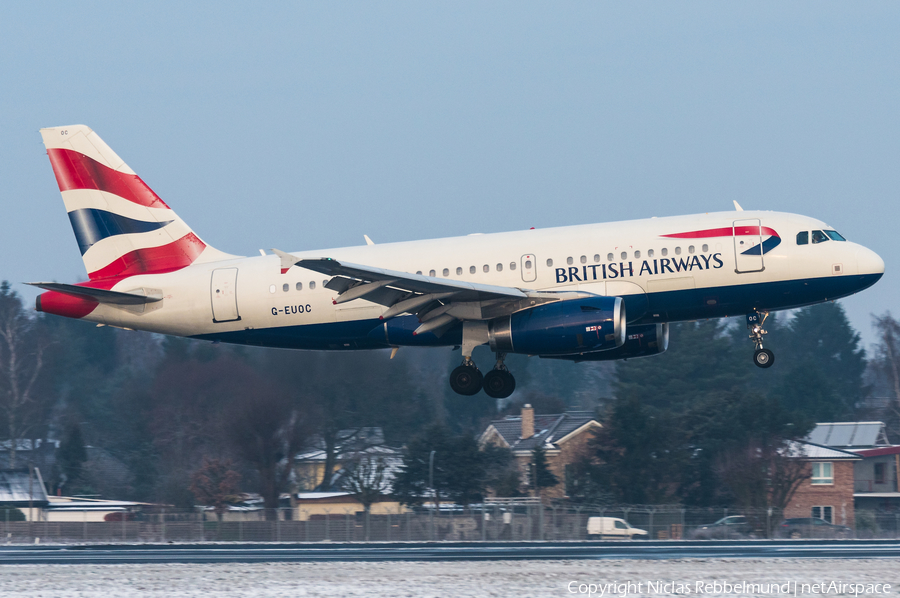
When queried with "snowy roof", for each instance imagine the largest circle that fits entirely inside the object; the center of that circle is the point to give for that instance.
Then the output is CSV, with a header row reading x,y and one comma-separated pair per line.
x,y
808,450
16,486
849,434
548,429
349,440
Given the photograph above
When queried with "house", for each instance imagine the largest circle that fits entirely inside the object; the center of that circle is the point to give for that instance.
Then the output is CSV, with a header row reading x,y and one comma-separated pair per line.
x,y
309,465
827,492
877,472
23,489
313,505
564,438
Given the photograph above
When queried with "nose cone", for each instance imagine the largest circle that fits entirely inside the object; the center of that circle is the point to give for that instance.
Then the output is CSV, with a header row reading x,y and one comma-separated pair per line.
x,y
869,263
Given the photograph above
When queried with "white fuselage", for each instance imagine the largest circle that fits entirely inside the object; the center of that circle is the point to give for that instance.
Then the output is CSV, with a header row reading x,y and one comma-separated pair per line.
x,y
665,278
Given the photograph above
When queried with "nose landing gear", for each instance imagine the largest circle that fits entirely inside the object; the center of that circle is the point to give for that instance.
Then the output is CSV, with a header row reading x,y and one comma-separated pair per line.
x,y
763,358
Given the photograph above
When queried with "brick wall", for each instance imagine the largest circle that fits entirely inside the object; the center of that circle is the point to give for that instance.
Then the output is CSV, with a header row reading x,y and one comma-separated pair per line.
x,y
838,495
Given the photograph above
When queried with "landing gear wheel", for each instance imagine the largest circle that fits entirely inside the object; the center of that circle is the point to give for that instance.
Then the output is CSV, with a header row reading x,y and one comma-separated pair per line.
x,y
763,358
499,384
466,380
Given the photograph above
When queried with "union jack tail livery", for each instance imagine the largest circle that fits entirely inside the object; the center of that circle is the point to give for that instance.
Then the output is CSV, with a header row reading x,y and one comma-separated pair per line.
x,y
122,227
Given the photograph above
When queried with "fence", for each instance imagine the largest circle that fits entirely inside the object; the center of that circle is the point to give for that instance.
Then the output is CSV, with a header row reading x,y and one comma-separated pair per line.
x,y
499,521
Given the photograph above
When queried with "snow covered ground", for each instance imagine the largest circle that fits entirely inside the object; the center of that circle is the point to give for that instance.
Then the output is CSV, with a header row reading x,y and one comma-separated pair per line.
x,y
449,580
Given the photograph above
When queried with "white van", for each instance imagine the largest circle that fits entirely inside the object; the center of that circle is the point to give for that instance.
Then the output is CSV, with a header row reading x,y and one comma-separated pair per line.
x,y
612,527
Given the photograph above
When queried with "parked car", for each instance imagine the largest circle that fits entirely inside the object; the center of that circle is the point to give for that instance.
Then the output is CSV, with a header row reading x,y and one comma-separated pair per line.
x,y
812,527
612,527
726,528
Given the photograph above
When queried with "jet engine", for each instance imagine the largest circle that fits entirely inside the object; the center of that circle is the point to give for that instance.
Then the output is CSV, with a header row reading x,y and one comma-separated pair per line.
x,y
641,341
562,328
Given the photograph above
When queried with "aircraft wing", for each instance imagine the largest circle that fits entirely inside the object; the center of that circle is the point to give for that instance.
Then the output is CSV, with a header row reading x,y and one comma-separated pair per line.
x,y
438,302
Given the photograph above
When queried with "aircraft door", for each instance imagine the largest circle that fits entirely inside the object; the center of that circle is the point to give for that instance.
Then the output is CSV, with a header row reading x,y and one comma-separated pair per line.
x,y
529,268
223,295
748,256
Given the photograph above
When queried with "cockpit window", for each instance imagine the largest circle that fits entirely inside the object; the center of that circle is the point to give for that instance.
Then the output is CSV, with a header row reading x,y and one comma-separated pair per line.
x,y
834,235
818,237
803,237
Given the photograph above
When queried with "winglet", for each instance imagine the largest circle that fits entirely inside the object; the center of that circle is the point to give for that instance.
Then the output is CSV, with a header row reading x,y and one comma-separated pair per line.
x,y
287,260
737,206
368,240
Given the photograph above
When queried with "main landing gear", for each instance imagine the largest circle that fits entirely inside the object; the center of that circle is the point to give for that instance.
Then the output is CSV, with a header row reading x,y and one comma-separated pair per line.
x,y
763,358
467,379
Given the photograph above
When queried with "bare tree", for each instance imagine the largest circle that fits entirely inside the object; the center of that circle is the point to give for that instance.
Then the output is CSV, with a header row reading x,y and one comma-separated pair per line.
x,y
21,359
216,484
764,474
887,355
368,479
267,429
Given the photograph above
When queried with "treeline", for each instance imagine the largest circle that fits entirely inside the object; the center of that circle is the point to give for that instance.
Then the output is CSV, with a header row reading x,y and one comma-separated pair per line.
x,y
145,411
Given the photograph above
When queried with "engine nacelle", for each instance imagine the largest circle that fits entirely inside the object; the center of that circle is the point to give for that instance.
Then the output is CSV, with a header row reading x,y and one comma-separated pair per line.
x,y
641,341
562,328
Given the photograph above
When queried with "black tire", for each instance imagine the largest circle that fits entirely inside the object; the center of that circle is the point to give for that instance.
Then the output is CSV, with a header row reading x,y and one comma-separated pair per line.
x,y
499,384
466,380
763,358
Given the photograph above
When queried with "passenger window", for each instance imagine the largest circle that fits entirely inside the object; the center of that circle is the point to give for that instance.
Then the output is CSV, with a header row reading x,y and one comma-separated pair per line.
x,y
649,253
459,271
549,263
569,260
637,255
431,273
272,288
620,525
285,287
610,257
299,286
678,251
818,237
471,269
512,265
446,272
705,248
690,249
624,255
834,235
499,267
665,252
527,265
596,257
803,237
419,272
312,285
584,259
486,268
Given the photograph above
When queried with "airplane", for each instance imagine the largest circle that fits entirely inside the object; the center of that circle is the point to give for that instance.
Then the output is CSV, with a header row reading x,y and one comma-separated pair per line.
x,y
590,292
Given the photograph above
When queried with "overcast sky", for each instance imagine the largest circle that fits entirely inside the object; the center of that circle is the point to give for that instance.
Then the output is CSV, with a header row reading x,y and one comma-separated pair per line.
x,y
307,125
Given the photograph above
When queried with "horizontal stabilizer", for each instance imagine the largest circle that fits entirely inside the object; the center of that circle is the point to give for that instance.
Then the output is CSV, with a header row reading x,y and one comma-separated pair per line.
x,y
101,295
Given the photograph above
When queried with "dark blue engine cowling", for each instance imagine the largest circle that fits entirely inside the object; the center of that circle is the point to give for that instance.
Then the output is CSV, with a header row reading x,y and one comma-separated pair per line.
x,y
641,341
562,328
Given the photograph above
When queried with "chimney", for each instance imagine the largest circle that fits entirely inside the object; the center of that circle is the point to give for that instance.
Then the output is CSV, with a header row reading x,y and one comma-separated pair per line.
x,y
527,421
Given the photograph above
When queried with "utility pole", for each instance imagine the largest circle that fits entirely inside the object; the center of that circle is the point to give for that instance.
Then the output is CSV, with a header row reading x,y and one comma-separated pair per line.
x,y
433,492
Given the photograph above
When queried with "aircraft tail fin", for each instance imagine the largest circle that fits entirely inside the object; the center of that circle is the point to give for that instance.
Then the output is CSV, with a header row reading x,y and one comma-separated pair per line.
x,y
122,227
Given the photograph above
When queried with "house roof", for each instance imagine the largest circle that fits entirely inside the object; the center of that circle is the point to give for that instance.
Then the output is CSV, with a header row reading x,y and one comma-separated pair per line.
x,y
548,429
849,434
815,452
17,487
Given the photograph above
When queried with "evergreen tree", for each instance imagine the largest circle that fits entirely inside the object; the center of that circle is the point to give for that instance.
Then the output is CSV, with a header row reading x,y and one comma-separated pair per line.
x,y
71,457
539,472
